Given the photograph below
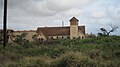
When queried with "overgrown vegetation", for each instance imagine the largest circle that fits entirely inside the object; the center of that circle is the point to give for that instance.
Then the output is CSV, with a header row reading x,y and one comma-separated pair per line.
x,y
92,52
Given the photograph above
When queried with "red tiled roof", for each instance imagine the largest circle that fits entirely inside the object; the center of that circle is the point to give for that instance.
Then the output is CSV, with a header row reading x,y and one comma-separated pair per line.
x,y
54,31
58,31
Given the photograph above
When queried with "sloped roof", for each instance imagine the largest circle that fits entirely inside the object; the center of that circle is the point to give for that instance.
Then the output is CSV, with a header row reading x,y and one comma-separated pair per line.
x,y
74,19
57,31
54,31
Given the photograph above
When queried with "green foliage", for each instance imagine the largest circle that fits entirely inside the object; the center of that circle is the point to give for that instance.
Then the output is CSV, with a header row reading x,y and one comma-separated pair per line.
x,y
20,39
73,59
91,52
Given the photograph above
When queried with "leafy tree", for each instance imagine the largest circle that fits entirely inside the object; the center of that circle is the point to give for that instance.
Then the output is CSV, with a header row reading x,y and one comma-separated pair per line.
x,y
105,32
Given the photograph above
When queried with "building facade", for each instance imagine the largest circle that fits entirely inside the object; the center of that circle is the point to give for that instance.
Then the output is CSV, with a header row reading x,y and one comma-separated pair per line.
x,y
72,31
44,33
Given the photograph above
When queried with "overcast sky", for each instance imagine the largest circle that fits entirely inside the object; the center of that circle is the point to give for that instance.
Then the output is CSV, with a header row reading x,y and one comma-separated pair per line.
x,y
30,14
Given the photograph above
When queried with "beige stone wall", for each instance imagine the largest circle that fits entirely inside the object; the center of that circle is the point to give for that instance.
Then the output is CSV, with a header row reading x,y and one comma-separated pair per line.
x,y
74,31
28,36
40,35
57,37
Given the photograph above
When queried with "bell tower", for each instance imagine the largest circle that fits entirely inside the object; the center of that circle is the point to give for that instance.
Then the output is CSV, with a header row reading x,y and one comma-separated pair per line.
x,y
74,28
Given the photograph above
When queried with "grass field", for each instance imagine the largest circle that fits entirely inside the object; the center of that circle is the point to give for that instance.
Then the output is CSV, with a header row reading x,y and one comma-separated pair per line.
x,y
92,52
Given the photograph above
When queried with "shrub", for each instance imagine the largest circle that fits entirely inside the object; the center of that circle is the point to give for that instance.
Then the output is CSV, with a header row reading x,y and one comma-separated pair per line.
x,y
92,52
117,53
95,54
20,39
73,59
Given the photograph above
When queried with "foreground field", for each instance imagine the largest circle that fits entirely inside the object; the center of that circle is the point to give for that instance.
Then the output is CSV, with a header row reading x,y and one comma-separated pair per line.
x,y
93,52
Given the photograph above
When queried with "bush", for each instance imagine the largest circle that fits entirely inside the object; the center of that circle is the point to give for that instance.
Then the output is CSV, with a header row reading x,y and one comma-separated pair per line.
x,y
20,39
74,59
117,53
91,52
94,54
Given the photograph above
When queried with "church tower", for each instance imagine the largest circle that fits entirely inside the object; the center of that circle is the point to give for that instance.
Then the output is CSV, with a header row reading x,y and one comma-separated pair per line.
x,y
74,28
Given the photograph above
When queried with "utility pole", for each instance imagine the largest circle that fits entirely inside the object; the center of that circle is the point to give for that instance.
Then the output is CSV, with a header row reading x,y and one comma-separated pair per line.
x,y
5,24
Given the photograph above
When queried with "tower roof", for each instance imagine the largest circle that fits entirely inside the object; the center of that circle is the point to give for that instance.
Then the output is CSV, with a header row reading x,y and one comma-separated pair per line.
x,y
74,19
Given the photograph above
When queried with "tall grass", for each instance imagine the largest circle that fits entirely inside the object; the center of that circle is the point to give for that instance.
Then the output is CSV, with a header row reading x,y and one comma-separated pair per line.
x,y
92,52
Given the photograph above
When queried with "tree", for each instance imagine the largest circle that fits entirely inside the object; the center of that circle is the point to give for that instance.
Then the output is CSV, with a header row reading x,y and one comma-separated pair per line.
x,y
105,32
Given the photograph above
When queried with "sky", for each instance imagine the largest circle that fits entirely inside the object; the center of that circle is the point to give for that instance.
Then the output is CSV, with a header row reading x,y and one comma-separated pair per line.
x,y
30,14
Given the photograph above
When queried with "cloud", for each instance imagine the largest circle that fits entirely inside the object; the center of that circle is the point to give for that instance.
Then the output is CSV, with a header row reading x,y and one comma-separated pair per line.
x,y
65,4
99,14
29,14
43,7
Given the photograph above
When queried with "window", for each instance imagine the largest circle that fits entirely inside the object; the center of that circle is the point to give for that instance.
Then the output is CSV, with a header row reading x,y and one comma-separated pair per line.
x,y
51,37
42,39
57,37
73,37
82,37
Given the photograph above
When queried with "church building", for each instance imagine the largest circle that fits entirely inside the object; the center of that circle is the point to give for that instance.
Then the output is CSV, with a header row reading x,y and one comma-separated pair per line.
x,y
72,31
45,33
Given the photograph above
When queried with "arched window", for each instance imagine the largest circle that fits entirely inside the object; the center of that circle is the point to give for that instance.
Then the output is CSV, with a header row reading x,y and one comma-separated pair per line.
x,y
82,37
57,37
62,37
51,37
42,39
